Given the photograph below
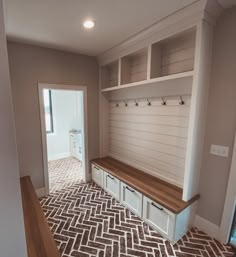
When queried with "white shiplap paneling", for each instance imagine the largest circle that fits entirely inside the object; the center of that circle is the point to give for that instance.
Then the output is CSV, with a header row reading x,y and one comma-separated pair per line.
x,y
134,67
154,137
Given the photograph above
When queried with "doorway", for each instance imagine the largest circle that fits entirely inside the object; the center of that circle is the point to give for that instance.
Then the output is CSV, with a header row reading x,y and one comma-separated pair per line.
x,y
63,116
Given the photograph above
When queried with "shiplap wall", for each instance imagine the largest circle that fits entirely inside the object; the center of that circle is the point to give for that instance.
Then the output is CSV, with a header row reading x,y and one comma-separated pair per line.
x,y
138,67
178,55
134,67
173,55
152,138
113,74
110,75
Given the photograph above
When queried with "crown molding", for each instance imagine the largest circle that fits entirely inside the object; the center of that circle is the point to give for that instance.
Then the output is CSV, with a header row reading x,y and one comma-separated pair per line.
x,y
186,18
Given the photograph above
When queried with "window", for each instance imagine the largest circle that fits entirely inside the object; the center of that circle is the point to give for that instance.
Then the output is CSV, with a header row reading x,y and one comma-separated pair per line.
x,y
47,95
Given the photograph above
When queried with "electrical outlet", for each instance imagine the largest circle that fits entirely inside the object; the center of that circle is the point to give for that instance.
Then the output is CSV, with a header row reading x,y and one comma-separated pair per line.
x,y
219,150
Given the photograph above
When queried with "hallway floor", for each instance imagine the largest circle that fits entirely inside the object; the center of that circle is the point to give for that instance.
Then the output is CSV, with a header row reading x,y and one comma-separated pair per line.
x,y
64,173
86,222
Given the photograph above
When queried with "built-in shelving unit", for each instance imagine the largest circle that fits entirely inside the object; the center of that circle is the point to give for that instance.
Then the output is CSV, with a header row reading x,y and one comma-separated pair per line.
x,y
152,115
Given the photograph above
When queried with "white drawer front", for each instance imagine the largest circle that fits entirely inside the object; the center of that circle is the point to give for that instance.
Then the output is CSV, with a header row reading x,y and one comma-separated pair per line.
x,y
112,185
159,218
131,199
97,175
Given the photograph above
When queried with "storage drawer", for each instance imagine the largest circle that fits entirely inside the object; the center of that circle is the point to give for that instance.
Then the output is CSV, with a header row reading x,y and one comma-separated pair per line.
x,y
112,185
159,218
97,175
132,199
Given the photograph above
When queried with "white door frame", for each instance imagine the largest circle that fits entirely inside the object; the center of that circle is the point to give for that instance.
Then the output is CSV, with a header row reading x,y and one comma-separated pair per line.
x,y
230,200
42,86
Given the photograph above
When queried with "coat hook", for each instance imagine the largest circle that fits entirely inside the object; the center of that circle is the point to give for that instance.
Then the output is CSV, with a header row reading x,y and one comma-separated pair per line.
x,y
148,102
126,104
163,101
136,102
181,102
117,105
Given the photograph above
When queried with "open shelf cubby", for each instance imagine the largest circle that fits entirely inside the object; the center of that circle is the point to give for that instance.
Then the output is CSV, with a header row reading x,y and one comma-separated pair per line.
x,y
134,67
110,75
173,55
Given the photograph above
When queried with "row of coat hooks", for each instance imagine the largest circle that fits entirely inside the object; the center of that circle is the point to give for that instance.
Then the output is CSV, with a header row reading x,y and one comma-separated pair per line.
x,y
149,101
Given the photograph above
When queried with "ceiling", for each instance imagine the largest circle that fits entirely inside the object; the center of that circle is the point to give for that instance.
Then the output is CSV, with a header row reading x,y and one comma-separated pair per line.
x,y
58,23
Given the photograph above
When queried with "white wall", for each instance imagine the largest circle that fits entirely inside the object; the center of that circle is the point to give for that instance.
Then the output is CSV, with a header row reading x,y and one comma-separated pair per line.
x,y
66,108
12,236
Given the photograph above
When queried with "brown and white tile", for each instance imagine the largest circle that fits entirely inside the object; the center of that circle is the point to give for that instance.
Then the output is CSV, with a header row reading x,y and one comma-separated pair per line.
x,y
86,222
64,173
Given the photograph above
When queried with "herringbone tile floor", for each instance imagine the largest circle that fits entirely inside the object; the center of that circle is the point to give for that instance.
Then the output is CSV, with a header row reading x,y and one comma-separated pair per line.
x,y
64,173
86,222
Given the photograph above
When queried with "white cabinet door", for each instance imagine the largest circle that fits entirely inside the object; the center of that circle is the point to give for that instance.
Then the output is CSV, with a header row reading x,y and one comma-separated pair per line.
x,y
76,146
159,218
112,185
131,199
72,145
97,175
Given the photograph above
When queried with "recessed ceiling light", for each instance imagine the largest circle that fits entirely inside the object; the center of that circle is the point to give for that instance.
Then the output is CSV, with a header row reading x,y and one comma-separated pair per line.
x,y
88,24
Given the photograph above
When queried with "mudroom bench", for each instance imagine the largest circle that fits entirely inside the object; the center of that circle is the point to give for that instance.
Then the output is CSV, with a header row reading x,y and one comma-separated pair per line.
x,y
157,202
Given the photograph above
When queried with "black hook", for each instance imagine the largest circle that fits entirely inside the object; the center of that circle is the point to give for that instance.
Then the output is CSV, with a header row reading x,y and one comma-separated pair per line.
x,y
117,105
136,102
148,102
181,102
125,104
163,101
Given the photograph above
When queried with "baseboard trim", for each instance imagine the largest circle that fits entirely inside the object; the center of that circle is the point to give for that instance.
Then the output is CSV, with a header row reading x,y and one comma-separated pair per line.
x,y
41,192
206,226
59,156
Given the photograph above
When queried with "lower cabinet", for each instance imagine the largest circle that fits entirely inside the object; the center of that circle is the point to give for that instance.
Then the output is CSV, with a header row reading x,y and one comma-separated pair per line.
x,y
132,199
112,185
170,225
159,218
97,175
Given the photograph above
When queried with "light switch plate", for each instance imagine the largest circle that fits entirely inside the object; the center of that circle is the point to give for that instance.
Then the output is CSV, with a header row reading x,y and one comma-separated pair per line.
x,y
219,150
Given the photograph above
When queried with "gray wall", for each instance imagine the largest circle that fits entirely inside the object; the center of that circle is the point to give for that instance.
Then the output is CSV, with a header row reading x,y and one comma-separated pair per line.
x,y
12,236
221,114
30,65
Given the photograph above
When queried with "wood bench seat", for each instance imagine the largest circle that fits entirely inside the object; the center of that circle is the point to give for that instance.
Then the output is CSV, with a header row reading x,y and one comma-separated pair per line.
x,y
164,193
39,239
